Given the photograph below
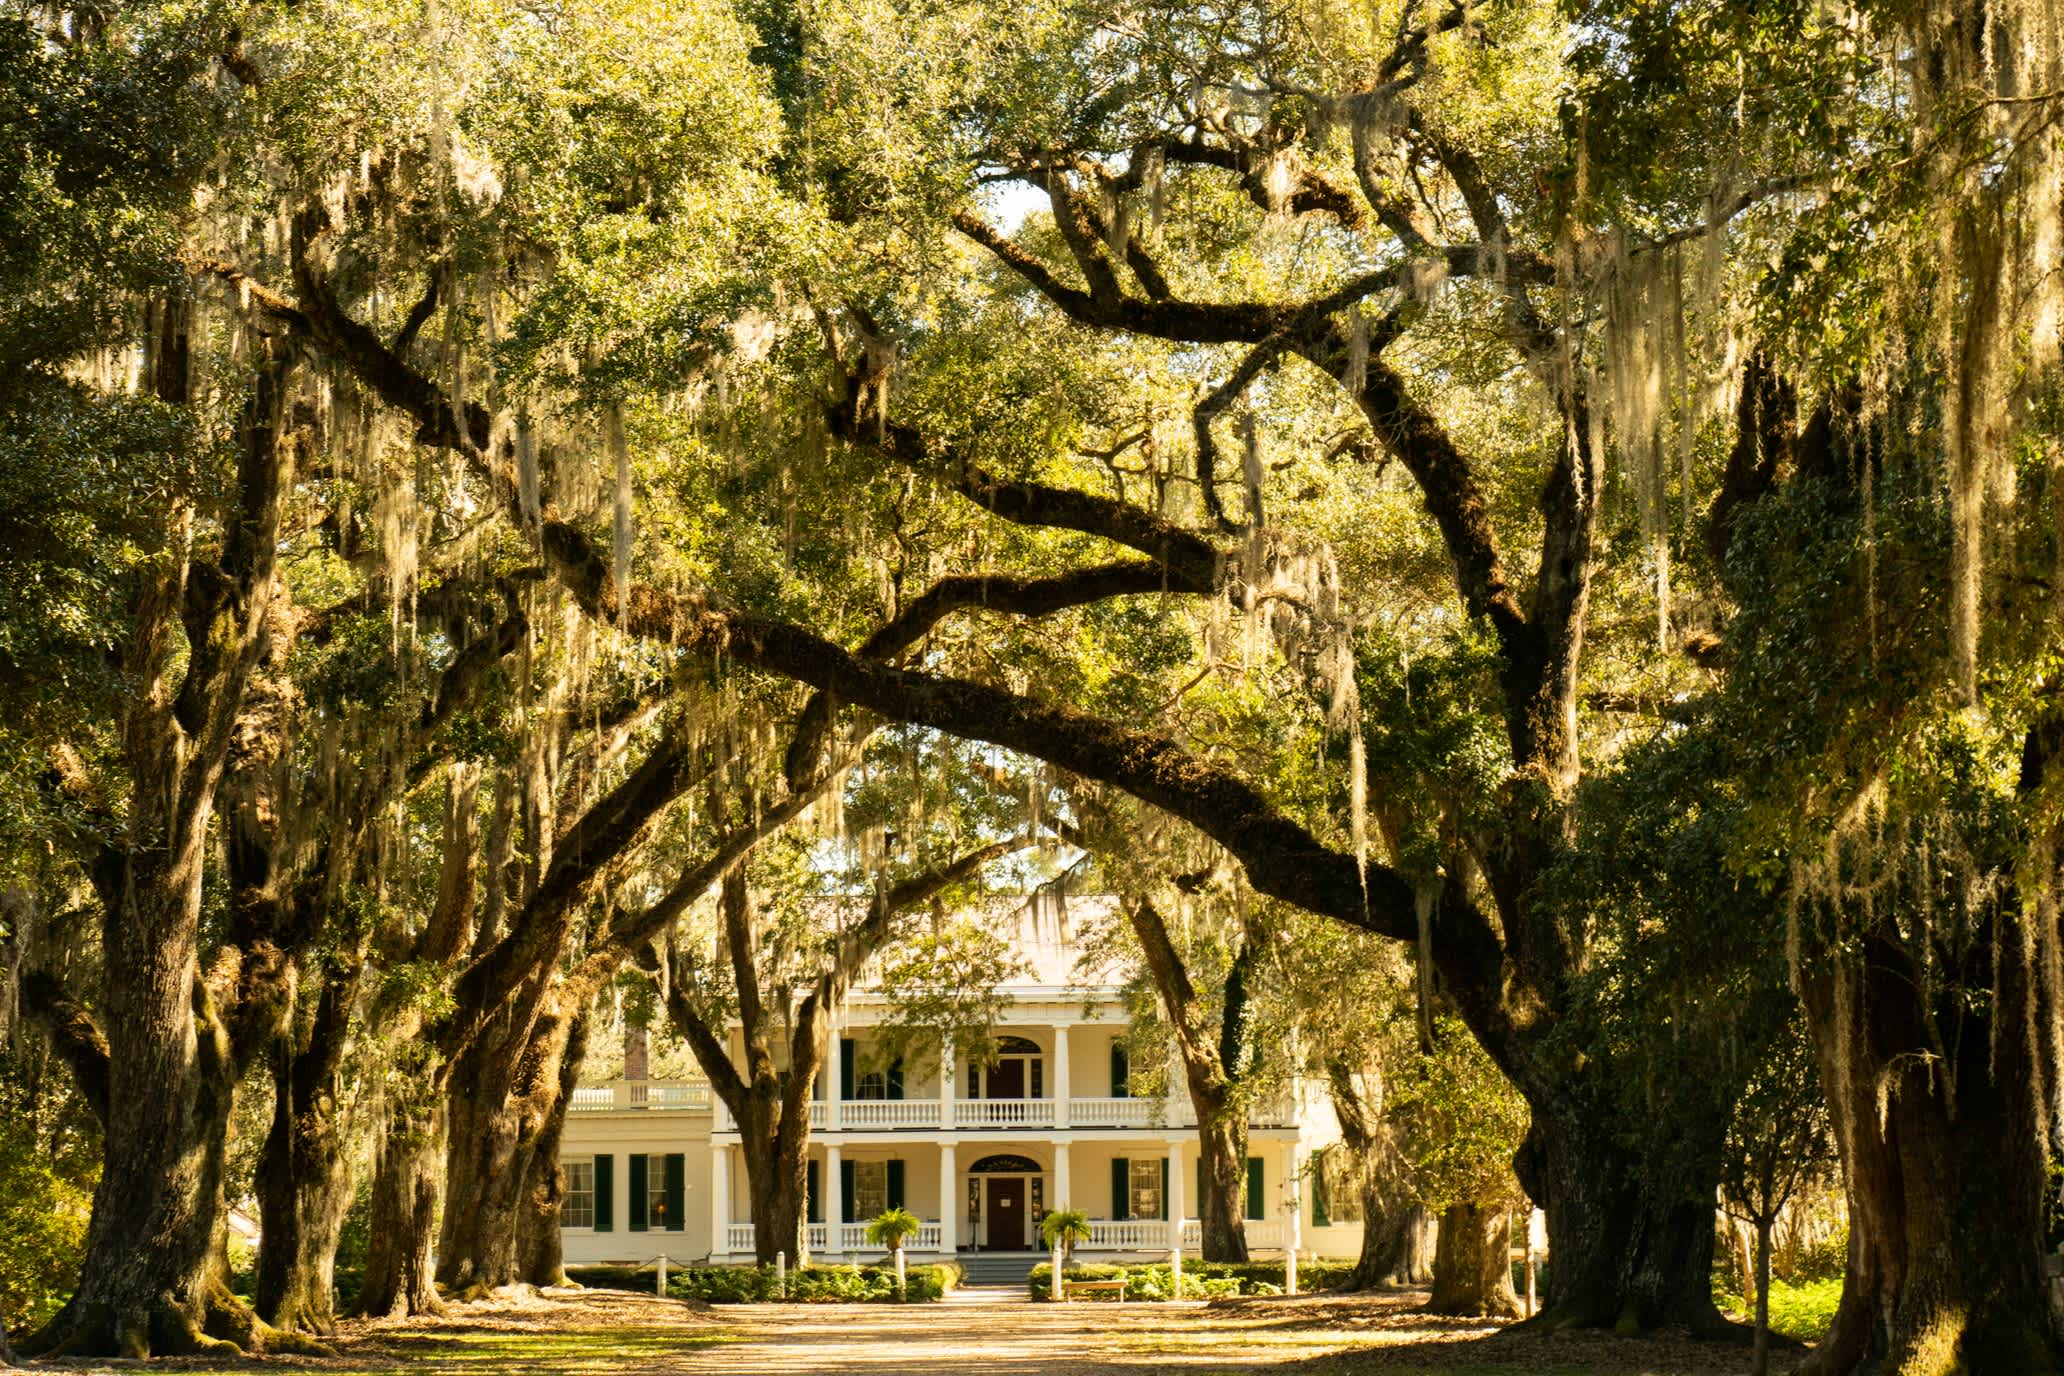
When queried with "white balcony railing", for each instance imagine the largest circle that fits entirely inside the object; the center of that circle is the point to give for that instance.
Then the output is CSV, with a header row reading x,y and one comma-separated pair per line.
x,y
661,1096
889,1113
1192,1233
1003,1113
1121,1113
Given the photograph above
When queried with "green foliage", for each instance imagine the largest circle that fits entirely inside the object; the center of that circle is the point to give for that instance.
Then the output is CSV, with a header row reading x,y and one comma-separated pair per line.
x,y
891,1227
43,1220
1804,1310
1201,1279
806,1285
1460,1120
1066,1228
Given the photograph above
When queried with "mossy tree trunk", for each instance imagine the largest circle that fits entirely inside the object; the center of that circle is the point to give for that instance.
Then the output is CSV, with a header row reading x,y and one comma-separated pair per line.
x,y
1472,1268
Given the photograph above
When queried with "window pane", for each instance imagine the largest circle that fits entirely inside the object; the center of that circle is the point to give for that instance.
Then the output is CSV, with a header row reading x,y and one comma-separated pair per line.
x,y
870,1189
1146,1187
655,1195
577,1210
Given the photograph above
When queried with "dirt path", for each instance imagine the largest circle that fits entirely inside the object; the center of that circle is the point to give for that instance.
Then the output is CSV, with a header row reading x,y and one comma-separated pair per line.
x,y
974,1334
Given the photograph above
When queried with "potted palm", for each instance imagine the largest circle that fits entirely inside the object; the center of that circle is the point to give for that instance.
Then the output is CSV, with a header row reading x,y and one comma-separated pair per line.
x,y
1062,1229
891,1228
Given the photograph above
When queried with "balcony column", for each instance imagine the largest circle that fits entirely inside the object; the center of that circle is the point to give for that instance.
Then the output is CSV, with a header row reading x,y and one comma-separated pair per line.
x,y
1293,1226
834,1201
947,1069
949,1198
1060,1075
1175,1193
1061,1184
833,1072
720,1199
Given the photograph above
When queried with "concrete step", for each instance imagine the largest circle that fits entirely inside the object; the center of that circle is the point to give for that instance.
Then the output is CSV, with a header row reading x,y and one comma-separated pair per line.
x,y
999,1268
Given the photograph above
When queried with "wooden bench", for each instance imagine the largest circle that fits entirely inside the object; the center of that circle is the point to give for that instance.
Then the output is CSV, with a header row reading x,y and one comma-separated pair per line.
x,y
1069,1287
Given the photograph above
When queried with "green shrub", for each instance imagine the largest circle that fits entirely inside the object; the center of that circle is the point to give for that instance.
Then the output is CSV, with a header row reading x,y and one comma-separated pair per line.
x,y
1201,1279
1805,1312
806,1284
43,1220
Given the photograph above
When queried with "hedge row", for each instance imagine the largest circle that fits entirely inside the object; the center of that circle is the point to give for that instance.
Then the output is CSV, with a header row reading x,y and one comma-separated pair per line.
x,y
756,1284
1200,1279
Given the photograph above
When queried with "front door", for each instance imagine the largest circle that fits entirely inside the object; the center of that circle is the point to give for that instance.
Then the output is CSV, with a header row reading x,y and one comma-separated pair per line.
x,y
1007,1215
1007,1079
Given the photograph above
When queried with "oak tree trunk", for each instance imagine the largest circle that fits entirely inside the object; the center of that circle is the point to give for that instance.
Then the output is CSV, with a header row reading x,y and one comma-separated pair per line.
x,y
397,1279
1397,1242
541,1256
1630,1237
303,1182
1222,1184
1945,1167
776,1178
1472,1266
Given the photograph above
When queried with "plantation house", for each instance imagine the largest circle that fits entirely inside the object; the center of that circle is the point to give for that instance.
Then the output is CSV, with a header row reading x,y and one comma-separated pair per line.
x,y
979,1153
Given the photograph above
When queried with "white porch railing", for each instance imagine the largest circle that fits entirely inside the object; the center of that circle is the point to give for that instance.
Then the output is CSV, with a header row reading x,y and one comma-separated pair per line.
x,y
738,1237
820,1114
664,1096
1128,1235
1003,1113
1119,1113
889,1113
1192,1233
1264,1232
853,1238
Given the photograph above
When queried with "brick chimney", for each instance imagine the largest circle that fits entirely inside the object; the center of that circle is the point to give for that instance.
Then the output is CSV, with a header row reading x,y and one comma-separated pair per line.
x,y
637,1054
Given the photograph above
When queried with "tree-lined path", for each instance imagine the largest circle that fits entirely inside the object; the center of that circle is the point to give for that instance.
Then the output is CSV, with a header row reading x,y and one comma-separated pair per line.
x,y
986,1333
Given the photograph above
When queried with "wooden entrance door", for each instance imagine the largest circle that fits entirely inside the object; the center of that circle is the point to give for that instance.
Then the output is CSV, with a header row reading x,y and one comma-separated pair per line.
x,y
1007,1214
1007,1079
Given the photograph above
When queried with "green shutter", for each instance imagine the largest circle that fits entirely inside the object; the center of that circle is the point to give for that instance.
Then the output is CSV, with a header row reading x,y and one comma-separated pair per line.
x,y
676,1192
896,1078
1321,1206
1254,1187
1121,1072
638,1192
845,1191
1121,1189
896,1183
605,1193
813,1204
846,1051
1164,1187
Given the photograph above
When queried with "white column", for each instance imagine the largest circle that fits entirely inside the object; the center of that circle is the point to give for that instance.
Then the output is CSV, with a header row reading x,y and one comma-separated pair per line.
x,y
1293,1204
1060,1075
834,1199
946,1073
949,1199
1175,1197
1062,1199
720,1199
834,1074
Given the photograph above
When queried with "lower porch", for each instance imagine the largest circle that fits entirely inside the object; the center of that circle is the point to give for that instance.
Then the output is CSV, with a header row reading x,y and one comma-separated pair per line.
x,y
992,1196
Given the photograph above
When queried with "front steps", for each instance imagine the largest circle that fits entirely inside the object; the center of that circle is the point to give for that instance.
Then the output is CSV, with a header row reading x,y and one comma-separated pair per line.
x,y
999,1268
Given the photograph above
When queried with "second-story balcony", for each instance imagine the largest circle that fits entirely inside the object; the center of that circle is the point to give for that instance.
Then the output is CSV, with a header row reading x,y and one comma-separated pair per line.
x,y
630,1096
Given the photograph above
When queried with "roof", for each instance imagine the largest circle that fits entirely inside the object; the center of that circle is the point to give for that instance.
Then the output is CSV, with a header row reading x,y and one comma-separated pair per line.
x,y
1047,932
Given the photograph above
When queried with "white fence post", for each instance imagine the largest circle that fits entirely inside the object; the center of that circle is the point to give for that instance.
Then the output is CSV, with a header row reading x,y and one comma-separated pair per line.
x,y
661,1290
781,1275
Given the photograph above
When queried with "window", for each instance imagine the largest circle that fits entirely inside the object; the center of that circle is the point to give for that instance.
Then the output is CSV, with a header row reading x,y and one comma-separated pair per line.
x,y
577,1209
1336,1194
1146,1189
656,1200
870,1189
872,1084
